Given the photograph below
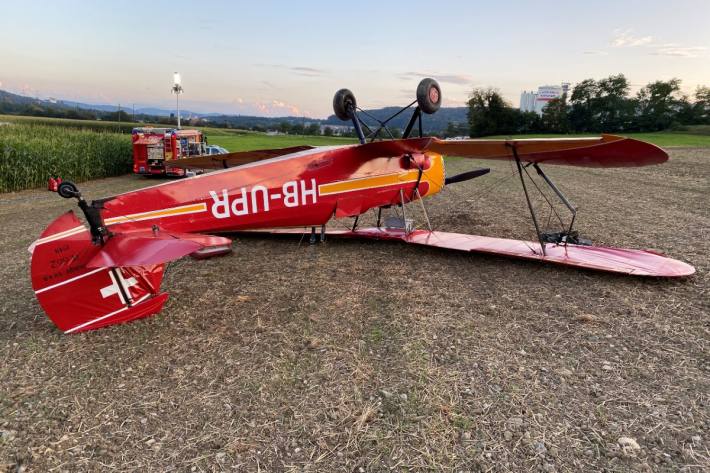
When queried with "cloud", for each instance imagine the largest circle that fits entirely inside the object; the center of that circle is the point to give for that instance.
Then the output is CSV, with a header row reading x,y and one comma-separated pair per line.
x,y
307,71
268,84
298,70
595,52
458,79
626,39
679,51
275,108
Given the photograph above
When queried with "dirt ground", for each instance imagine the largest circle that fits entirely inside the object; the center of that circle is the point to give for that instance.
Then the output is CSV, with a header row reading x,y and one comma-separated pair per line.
x,y
374,356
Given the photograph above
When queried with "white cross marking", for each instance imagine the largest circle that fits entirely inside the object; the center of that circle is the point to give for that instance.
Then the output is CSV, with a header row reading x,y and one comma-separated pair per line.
x,y
113,288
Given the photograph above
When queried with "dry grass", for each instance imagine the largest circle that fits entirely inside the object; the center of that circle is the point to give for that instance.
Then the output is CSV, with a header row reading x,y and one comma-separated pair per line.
x,y
368,356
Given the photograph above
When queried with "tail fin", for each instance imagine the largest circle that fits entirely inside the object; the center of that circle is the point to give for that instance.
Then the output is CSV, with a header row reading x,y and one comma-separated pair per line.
x,y
82,286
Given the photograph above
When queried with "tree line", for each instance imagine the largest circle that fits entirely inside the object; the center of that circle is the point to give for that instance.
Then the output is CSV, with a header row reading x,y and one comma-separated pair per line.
x,y
594,106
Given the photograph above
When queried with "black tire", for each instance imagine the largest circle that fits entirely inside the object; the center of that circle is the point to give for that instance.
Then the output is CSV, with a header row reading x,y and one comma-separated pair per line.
x,y
68,189
429,96
343,104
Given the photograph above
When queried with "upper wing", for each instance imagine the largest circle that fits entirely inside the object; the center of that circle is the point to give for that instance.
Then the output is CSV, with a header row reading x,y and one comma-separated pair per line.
x,y
604,151
219,161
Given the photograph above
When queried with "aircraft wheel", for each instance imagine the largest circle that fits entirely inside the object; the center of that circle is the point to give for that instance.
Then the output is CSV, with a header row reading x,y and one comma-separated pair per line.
x,y
429,96
343,103
67,189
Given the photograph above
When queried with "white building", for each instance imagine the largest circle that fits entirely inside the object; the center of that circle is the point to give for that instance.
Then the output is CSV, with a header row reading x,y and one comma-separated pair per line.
x,y
536,101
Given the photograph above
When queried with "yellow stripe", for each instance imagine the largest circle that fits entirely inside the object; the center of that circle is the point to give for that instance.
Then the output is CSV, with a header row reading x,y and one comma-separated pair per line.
x,y
368,182
185,209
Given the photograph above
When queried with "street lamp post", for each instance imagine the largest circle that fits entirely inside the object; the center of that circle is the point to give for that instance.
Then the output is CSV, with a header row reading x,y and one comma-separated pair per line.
x,y
177,90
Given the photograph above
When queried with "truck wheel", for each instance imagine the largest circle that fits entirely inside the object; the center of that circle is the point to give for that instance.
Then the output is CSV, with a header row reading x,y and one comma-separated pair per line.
x,y
429,96
343,103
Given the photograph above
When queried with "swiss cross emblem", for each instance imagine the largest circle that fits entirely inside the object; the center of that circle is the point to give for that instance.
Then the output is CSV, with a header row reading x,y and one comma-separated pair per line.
x,y
119,285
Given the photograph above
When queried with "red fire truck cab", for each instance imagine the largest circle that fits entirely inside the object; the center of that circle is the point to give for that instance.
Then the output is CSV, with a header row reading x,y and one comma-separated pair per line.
x,y
155,148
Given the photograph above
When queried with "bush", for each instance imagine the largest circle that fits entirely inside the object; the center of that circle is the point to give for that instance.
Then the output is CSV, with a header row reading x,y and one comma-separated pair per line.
x,y
30,154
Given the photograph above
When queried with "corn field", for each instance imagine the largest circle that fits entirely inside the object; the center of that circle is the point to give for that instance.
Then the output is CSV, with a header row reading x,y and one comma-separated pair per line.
x,y
31,153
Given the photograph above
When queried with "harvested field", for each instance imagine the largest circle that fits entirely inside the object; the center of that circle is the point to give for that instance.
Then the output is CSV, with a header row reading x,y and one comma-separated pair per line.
x,y
372,356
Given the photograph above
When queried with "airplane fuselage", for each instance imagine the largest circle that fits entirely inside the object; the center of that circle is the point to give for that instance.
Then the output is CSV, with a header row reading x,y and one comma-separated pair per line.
x,y
303,189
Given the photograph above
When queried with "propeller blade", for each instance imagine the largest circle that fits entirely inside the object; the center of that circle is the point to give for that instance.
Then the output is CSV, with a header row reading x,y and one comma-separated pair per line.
x,y
465,176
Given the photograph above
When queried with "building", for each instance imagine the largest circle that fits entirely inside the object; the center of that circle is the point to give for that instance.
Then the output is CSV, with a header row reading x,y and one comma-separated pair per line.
x,y
536,101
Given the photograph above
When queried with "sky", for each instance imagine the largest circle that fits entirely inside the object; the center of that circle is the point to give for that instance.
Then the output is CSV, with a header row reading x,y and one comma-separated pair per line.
x,y
277,58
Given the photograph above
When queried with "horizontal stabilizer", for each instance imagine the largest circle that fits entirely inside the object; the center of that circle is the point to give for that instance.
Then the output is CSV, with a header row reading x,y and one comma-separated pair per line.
x,y
220,161
151,247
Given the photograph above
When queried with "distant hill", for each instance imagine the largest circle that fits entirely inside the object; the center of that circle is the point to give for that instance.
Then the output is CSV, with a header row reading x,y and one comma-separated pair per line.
x,y
15,99
152,111
21,105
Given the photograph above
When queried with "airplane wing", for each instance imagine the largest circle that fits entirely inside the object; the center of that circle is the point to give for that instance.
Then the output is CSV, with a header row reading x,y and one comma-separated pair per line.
x,y
599,258
604,151
220,161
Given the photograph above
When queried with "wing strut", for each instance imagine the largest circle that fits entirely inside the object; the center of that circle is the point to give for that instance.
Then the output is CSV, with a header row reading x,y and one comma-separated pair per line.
x,y
563,237
560,238
527,197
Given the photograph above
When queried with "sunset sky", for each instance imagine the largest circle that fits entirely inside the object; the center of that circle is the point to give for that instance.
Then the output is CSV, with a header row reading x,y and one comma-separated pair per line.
x,y
288,58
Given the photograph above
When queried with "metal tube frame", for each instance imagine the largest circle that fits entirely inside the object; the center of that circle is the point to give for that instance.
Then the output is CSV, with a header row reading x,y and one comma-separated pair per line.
x,y
527,197
417,115
560,194
356,124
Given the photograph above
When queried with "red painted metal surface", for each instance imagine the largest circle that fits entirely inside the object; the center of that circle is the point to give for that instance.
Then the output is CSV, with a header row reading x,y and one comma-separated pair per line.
x,y
286,191
613,260
609,151
140,248
76,280
78,298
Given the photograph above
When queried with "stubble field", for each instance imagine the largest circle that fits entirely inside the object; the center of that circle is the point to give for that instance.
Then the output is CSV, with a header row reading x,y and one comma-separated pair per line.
x,y
373,356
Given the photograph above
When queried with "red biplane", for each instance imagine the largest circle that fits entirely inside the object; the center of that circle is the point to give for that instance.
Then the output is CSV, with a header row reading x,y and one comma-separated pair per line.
x,y
110,272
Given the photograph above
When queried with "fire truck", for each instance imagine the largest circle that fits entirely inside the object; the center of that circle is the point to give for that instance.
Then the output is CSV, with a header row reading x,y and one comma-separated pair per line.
x,y
155,148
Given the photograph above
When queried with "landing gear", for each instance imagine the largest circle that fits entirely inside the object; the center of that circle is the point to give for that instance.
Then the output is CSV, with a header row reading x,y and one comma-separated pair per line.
x,y
429,96
428,101
344,104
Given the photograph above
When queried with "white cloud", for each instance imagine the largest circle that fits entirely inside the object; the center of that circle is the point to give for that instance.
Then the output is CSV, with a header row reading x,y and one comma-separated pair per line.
x,y
457,79
275,108
679,51
595,52
626,39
